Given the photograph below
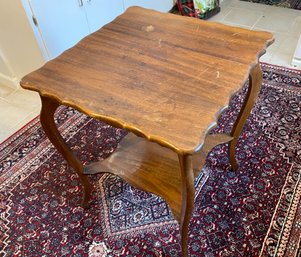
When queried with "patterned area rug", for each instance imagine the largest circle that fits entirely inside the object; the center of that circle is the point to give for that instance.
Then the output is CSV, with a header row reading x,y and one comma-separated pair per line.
x,y
252,212
294,4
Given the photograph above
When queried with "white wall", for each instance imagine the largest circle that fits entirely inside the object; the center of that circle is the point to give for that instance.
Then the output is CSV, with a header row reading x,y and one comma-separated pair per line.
x,y
19,50
7,76
4,68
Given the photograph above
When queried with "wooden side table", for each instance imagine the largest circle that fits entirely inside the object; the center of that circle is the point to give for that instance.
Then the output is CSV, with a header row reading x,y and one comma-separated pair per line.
x,y
164,78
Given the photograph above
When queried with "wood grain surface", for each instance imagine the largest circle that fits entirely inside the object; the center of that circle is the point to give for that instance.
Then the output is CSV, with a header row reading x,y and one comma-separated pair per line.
x,y
160,76
153,168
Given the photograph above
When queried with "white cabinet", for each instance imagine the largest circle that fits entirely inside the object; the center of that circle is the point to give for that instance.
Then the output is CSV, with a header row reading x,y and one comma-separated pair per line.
x,y
159,5
101,12
61,24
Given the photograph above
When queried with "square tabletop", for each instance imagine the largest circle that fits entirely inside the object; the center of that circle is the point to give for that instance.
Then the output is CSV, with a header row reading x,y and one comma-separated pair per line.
x,y
161,76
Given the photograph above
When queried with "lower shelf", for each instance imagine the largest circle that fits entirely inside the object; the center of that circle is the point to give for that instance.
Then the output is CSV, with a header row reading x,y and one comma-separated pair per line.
x,y
153,168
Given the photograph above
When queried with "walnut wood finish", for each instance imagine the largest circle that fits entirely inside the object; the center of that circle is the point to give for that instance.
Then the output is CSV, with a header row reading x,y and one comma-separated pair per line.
x,y
153,168
163,77
255,81
156,169
188,194
47,121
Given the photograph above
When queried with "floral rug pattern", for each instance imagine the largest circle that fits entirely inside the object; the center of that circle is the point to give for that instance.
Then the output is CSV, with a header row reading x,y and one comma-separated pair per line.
x,y
254,211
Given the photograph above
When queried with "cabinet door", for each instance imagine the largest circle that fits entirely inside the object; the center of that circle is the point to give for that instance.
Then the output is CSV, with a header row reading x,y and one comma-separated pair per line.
x,y
61,23
159,5
101,12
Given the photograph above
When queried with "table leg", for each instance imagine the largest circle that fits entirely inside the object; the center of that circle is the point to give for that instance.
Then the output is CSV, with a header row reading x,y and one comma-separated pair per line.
x,y
255,81
49,106
188,194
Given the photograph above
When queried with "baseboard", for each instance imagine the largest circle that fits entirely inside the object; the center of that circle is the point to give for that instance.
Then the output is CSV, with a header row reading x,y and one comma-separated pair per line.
x,y
297,55
9,82
296,62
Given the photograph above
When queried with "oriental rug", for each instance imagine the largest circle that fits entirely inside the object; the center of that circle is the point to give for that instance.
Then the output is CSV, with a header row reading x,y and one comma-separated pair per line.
x,y
293,4
253,211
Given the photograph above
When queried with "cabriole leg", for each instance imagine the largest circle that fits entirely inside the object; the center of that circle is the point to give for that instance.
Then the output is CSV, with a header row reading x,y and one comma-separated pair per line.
x,y
188,193
255,81
47,120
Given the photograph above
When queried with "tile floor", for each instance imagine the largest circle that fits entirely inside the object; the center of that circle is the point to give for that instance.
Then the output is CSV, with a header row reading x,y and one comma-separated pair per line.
x,y
18,106
284,23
